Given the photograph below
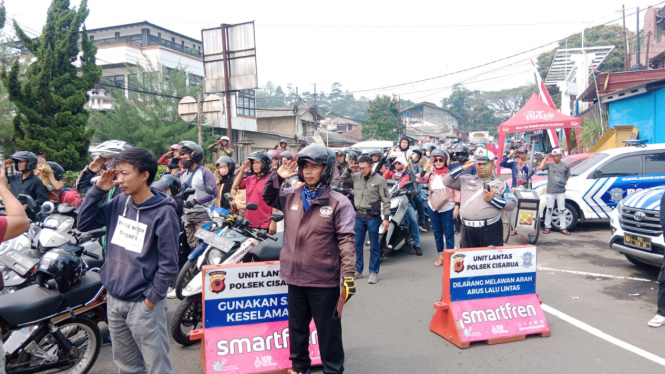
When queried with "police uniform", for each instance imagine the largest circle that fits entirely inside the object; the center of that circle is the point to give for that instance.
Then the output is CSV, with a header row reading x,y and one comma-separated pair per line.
x,y
481,220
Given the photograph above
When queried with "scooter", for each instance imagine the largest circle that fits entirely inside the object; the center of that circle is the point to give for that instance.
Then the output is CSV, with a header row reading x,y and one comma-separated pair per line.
x,y
51,331
235,243
398,235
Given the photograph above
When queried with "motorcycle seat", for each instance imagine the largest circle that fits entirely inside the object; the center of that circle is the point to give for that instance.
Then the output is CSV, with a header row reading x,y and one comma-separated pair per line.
x,y
35,303
268,250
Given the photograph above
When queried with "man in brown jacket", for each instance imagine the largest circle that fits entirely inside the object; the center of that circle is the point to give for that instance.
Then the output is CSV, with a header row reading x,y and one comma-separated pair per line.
x,y
317,257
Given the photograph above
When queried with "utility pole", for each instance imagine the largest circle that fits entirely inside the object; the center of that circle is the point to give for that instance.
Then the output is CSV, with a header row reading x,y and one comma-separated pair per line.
x,y
646,58
198,116
227,95
637,55
626,59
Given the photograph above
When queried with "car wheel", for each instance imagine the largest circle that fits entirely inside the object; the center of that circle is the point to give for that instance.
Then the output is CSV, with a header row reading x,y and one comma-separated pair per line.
x,y
570,214
638,263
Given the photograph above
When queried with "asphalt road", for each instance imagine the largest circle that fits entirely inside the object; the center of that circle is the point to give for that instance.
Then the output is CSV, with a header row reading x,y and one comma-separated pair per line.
x,y
386,326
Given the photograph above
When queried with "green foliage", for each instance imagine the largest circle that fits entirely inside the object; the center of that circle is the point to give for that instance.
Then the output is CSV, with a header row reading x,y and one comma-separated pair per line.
x,y
472,110
338,102
594,36
50,115
592,130
383,119
70,178
147,120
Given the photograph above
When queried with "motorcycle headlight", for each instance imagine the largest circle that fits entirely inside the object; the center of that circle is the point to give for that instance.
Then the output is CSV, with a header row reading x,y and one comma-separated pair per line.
x,y
66,224
6,245
214,256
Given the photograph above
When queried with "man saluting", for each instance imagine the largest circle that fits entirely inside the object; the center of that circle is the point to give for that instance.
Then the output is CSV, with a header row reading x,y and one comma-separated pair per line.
x,y
482,198
318,254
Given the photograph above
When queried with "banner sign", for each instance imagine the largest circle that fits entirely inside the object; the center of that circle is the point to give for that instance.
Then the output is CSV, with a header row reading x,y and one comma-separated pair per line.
x,y
246,319
489,295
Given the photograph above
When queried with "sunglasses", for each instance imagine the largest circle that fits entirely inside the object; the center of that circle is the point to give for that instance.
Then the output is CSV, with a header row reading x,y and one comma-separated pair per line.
x,y
439,160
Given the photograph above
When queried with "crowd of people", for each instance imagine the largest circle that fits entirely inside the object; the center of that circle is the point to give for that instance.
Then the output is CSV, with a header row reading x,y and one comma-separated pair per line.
x,y
334,203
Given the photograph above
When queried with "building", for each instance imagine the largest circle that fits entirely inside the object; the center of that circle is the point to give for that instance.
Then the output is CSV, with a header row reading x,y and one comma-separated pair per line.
x,y
652,40
291,122
121,48
430,112
341,124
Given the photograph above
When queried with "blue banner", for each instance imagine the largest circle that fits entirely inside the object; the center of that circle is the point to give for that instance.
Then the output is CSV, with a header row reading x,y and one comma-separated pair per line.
x,y
246,310
484,287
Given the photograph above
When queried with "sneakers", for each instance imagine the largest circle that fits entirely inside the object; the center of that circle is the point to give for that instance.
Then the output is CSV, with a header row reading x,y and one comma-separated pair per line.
x,y
656,321
171,294
358,275
373,278
422,229
419,252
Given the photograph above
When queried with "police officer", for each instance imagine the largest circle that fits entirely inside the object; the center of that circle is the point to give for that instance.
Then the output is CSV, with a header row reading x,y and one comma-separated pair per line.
x,y
372,203
483,197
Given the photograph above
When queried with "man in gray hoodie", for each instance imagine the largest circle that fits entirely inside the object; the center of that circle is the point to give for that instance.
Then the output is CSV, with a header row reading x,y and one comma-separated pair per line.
x,y
141,259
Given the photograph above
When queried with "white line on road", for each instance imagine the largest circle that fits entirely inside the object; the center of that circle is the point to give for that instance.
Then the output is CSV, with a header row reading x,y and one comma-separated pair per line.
x,y
594,274
594,331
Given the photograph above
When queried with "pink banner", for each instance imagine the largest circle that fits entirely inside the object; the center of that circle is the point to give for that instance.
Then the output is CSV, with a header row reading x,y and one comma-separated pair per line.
x,y
499,317
253,348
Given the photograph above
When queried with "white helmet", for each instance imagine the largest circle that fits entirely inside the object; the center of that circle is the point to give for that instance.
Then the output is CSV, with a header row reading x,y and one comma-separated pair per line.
x,y
481,155
225,138
109,148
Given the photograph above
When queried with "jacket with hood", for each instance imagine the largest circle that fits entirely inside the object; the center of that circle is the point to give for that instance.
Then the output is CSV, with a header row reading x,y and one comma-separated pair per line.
x,y
319,244
126,274
371,193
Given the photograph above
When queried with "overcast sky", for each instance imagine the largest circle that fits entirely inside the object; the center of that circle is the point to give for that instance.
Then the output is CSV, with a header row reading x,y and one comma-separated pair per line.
x,y
370,44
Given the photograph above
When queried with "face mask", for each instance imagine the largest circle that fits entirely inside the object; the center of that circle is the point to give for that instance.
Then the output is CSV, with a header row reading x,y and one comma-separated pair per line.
x,y
428,153
187,164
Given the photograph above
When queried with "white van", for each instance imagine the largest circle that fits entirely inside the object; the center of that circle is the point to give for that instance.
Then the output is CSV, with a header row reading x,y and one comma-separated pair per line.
x,y
598,184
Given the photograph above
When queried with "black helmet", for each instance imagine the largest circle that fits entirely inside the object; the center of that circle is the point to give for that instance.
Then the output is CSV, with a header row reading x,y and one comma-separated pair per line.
x,y
288,154
441,152
461,153
351,155
58,171
25,156
418,151
283,141
62,267
404,137
168,181
318,155
231,163
194,150
375,152
339,152
263,158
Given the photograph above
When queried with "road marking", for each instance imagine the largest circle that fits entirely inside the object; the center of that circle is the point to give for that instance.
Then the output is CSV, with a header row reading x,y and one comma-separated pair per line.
x,y
594,274
594,331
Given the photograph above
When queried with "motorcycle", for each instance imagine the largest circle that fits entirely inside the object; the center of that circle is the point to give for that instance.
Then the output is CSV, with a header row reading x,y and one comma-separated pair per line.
x,y
20,256
398,235
45,330
232,244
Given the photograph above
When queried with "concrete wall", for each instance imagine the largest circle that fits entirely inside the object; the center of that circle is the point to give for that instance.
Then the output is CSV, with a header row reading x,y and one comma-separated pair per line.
x,y
280,125
646,112
440,117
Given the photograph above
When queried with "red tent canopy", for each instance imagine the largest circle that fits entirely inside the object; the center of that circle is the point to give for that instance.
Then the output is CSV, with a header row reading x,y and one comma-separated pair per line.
x,y
537,115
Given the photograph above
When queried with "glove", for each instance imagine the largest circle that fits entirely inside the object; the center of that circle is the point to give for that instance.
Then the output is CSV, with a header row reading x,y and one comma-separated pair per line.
x,y
191,203
391,167
349,286
173,164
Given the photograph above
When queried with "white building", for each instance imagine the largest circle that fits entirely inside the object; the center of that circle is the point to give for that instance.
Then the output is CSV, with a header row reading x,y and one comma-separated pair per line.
x,y
120,48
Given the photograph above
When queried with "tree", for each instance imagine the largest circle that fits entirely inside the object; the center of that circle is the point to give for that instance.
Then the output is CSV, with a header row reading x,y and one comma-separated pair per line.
x,y
50,114
594,36
509,101
145,119
472,109
383,119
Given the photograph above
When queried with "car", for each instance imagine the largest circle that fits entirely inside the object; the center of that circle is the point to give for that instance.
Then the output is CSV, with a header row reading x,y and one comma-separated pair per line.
x,y
636,228
570,160
597,185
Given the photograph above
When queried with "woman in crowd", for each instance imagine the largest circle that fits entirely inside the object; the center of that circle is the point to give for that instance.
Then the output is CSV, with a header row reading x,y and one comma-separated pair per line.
x,y
226,167
441,202
259,163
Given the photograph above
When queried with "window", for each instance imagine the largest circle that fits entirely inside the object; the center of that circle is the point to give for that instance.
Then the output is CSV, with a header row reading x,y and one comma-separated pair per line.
x,y
167,77
133,86
587,164
195,80
246,103
114,80
655,163
624,166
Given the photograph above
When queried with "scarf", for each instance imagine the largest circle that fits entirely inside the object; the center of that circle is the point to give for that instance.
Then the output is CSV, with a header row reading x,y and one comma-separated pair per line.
x,y
309,196
441,171
224,186
398,175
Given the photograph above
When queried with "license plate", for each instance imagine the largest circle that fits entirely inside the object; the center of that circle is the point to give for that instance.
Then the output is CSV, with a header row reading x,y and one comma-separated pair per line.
x,y
202,234
19,263
222,243
637,241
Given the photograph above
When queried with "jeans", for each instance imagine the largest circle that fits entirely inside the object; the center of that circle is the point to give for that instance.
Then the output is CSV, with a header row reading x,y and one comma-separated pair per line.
x,y
561,207
411,220
443,227
420,206
370,225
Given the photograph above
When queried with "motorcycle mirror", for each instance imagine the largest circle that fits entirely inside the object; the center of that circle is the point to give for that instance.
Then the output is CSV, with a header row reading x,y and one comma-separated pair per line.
x,y
209,190
252,206
189,191
277,216
30,202
48,207
228,196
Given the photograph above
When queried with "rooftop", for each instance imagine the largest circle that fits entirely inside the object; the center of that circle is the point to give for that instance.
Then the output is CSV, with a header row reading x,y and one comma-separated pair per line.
x,y
609,83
